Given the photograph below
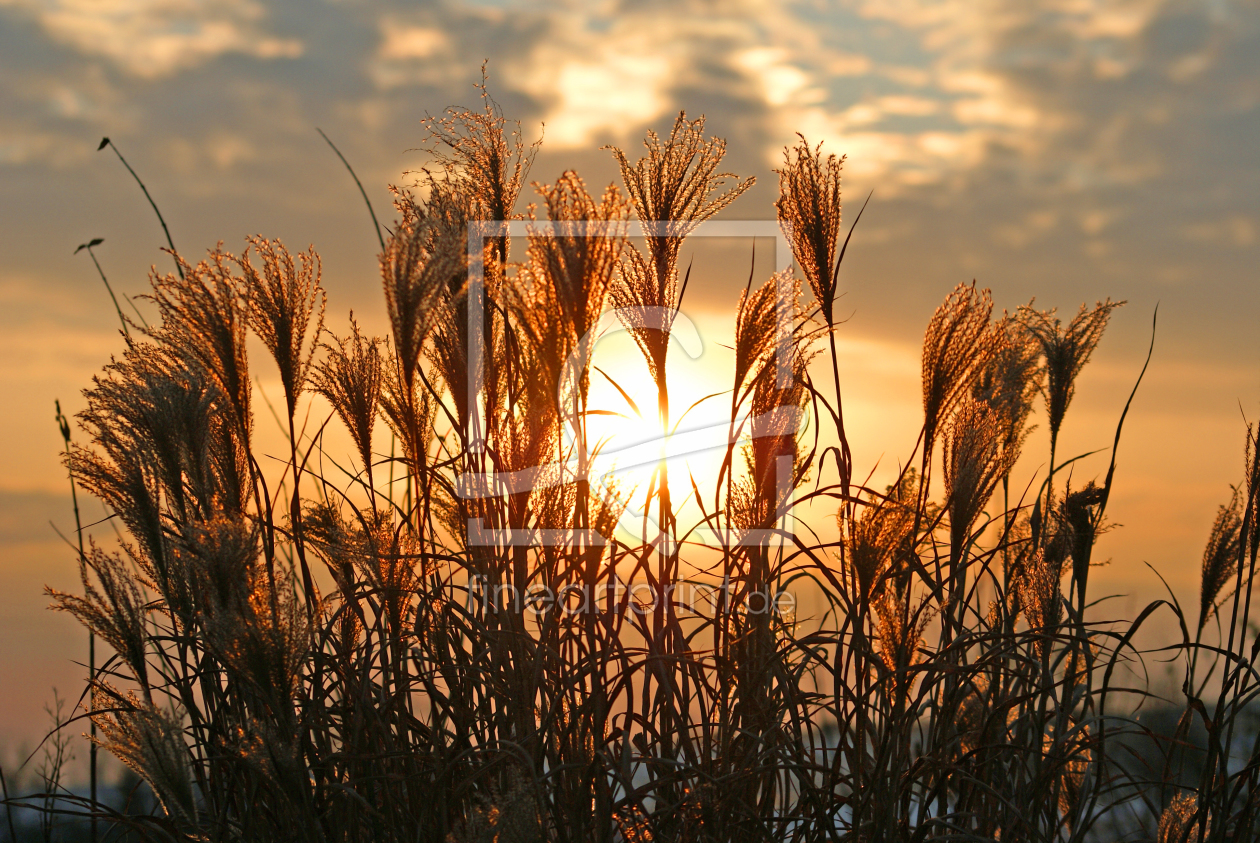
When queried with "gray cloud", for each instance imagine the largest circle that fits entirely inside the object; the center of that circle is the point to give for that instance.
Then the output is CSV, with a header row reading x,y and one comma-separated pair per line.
x,y
1049,146
154,38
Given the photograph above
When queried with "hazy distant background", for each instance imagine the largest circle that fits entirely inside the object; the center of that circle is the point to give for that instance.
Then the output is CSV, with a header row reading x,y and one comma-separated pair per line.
x,y
1065,149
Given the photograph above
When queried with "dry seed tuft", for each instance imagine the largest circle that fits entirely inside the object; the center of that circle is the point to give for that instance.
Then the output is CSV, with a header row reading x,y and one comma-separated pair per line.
x,y
1010,381
408,411
1040,595
282,298
809,214
1066,350
957,346
204,320
1178,823
899,641
757,327
974,461
570,270
117,611
423,260
150,742
477,148
672,189
1220,557
876,542
350,378
1072,774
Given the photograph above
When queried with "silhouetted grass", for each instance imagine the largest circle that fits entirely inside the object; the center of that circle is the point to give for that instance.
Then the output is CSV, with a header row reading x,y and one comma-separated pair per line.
x,y
324,656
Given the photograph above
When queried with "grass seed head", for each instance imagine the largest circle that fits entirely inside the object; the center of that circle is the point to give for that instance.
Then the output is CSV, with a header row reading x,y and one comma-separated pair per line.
x,y
672,189
875,543
1220,557
570,271
1040,595
809,214
1066,350
1010,382
117,610
974,461
757,320
1178,822
958,345
204,318
408,411
424,260
285,309
481,150
899,641
350,378
149,741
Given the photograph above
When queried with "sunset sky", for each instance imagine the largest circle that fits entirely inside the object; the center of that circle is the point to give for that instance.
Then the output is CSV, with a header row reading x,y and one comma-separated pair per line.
x,y
1066,150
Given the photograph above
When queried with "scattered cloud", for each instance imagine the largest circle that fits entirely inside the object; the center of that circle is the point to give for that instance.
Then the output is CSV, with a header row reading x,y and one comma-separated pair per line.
x,y
600,86
1238,231
410,53
155,38
1064,93
411,42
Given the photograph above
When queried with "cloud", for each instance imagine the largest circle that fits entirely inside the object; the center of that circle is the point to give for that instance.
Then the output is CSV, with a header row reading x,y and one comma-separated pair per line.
x,y
603,74
1237,230
591,74
600,86
1004,110
918,93
411,42
155,38
409,53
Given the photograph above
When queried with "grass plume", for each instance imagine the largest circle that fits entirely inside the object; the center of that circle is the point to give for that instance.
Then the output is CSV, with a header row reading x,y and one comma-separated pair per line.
x,y
480,650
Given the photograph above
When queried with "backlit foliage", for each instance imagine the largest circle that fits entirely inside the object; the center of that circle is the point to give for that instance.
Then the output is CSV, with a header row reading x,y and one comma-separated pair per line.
x,y
451,641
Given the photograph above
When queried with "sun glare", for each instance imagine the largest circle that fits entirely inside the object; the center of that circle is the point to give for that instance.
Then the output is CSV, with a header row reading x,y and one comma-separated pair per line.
x,y
630,441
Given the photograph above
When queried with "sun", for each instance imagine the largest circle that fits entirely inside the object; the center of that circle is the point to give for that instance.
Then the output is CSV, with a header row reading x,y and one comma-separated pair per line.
x,y
631,444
